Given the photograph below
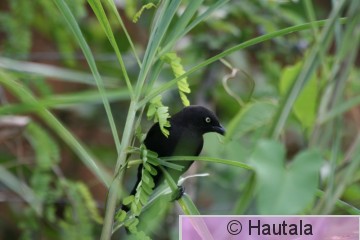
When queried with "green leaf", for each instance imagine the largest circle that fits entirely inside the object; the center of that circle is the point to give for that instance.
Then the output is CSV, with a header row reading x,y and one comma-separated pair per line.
x,y
46,70
250,117
154,161
40,182
178,70
164,17
102,17
305,105
16,185
78,209
160,114
89,202
150,169
146,177
73,25
152,154
182,26
120,216
46,149
188,205
208,159
129,199
131,222
150,184
25,96
167,164
185,201
251,42
178,29
140,235
111,5
143,197
163,116
146,189
310,65
63,100
284,189
136,208
340,109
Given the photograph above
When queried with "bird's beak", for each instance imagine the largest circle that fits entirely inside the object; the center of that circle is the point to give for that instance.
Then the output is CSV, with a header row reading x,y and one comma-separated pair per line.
x,y
220,129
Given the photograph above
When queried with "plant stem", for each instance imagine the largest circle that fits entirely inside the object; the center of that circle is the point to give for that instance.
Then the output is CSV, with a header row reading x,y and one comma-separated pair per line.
x,y
113,193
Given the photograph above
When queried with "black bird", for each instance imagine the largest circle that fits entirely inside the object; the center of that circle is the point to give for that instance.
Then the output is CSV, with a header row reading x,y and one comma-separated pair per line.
x,y
185,139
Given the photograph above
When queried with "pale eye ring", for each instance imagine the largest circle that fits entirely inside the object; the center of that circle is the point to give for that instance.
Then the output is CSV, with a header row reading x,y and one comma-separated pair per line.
x,y
207,119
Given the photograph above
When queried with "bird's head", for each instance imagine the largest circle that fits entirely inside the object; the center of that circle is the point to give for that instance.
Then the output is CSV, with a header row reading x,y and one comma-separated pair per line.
x,y
199,119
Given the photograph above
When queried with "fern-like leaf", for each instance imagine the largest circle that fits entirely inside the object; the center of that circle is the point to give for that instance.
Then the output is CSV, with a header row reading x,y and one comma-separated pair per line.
x,y
143,191
178,70
159,113
89,202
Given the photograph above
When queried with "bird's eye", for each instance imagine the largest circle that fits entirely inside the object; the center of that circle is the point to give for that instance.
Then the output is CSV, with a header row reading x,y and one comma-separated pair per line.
x,y
207,119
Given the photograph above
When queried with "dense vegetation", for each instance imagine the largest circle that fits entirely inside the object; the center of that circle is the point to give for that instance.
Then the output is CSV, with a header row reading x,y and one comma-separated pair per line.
x,y
81,82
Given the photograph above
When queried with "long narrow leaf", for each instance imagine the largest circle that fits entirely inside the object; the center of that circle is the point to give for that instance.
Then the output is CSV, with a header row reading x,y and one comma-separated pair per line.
x,y
338,110
113,8
46,70
208,159
25,96
227,52
65,101
21,189
70,19
185,202
193,24
101,16
157,35
310,65
183,21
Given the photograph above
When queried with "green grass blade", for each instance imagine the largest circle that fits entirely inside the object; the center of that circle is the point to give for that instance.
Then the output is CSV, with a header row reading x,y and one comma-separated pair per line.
x,y
185,202
209,159
21,189
347,207
112,6
102,18
65,101
157,34
182,22
341,204
70,19
310,65
194,23
345,57
188,206
310,12
345,179
254,41
25,96
339,110
46,70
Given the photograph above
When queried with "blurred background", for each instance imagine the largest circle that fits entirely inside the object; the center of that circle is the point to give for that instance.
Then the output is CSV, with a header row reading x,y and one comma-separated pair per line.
x,y
49,103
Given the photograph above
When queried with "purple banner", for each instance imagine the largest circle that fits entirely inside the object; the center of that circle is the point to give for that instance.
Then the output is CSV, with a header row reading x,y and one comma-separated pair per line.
x,y
269,227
